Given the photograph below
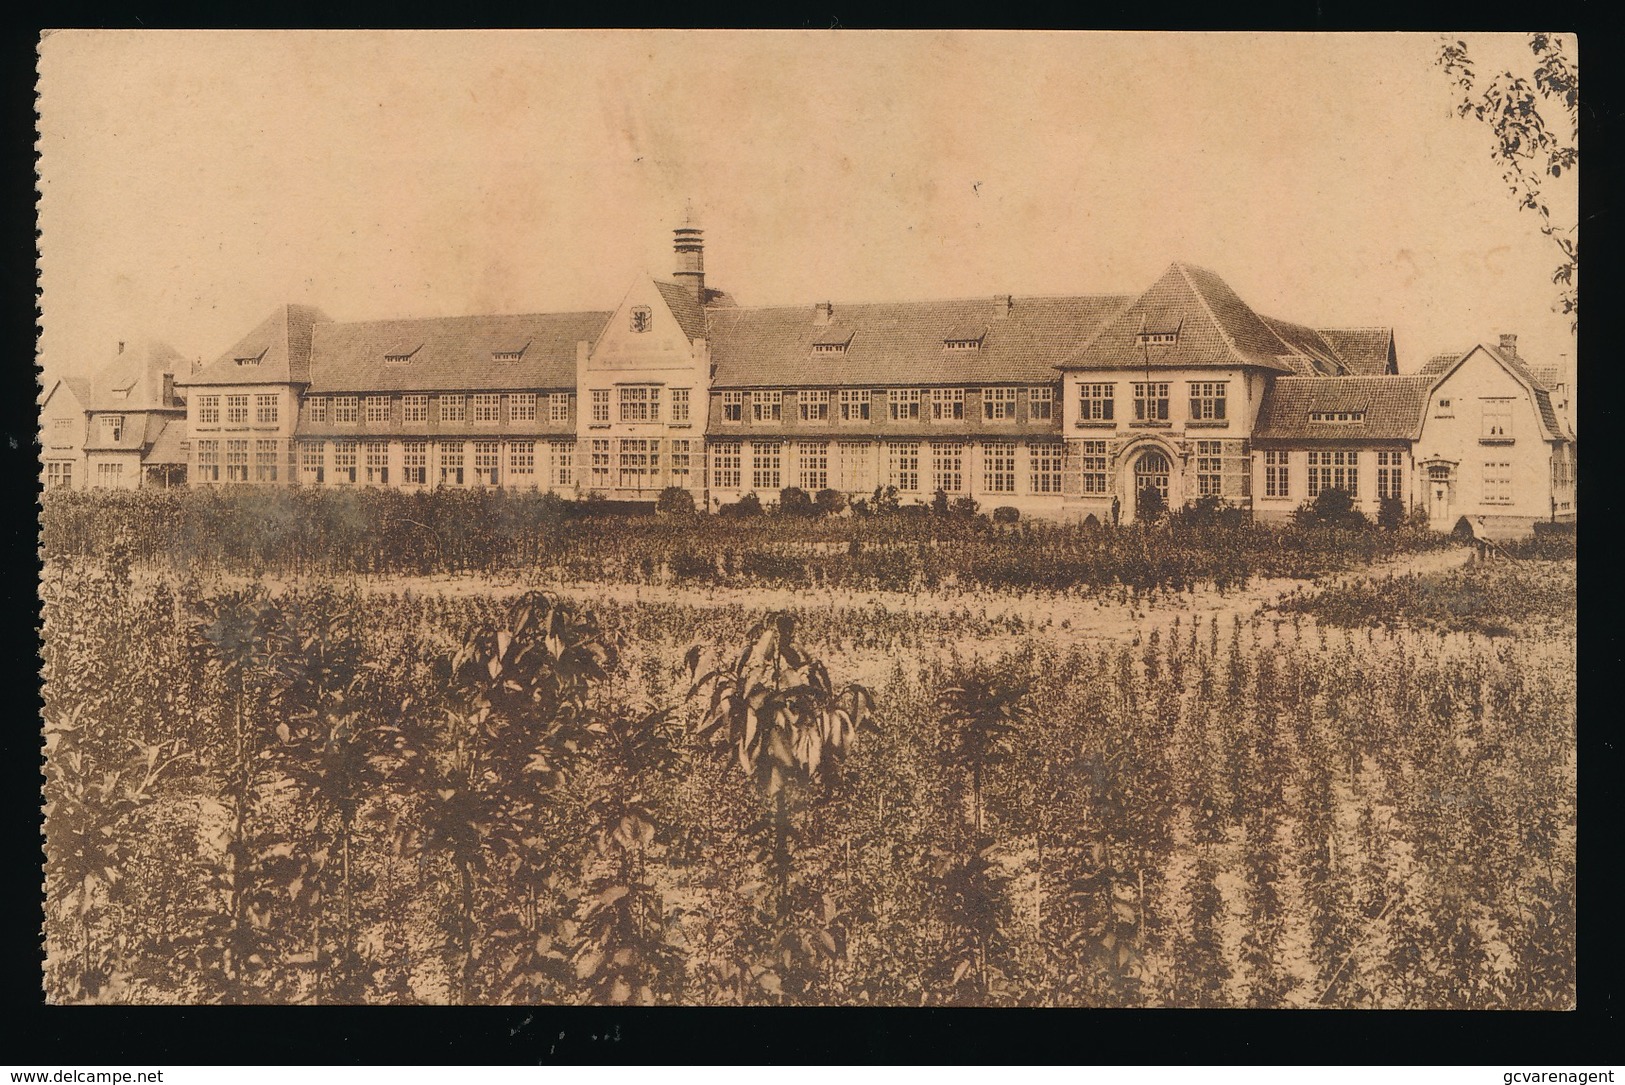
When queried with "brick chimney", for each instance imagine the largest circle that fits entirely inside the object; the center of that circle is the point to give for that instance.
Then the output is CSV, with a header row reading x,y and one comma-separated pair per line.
x,y
1509,345
690,245
1002,304
822,312
121,346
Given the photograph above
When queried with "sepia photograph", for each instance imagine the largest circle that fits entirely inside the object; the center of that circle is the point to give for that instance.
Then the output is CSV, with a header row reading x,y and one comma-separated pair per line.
x,y
745,518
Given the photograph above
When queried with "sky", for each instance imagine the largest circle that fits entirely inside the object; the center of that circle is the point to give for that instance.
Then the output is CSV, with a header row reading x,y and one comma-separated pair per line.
x,y
191,182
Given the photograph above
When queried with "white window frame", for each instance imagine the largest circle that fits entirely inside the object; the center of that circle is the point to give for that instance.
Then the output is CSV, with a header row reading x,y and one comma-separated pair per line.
x,y
999,404
947,404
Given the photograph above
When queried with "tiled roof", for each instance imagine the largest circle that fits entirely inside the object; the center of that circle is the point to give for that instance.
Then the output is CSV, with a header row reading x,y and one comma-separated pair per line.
x,y
1318,358
1549,376
140,430
1439,363
1392,407
78,387
134,379
690,316
281,343
166,446
902,342
1364,351
453,353
1216,328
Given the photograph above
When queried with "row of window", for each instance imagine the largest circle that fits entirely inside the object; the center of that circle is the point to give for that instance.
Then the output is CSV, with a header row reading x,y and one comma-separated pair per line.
x,y
1337,469
911,466
1097,401
901,405
266,408
642,403
485,408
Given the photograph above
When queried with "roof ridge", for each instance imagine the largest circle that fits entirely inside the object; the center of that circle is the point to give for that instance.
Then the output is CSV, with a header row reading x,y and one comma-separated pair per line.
x,y
460,316
1207,306
977,299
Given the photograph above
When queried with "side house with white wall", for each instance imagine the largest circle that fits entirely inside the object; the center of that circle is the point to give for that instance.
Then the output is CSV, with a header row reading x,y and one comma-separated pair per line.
x,y
1492,447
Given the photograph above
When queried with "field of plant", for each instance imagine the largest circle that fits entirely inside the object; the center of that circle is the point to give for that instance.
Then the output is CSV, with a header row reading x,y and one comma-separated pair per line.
x,y
549,541
336,792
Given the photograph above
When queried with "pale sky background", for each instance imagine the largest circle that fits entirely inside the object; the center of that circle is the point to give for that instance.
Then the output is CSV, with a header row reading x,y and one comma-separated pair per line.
x,y
193,181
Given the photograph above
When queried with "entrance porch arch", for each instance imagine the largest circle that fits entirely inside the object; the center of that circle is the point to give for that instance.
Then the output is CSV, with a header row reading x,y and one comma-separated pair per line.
x,y
1153,462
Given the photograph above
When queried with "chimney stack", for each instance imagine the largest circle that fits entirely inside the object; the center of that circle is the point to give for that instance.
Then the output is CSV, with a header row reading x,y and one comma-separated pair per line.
x,y
822,312
121,346
1002,304
1509,345
690,245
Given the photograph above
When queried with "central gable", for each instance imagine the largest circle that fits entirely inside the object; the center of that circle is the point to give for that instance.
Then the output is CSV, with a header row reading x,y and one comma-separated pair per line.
x,y
647,331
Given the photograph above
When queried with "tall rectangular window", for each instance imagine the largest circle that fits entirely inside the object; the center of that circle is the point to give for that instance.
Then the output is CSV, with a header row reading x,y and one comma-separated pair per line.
x,y
346,409
208,461
450,457
1092,465
377,410
317,408
112,428
814,404
905,404
1041,404
1151,401
451,410
999,467
600,406
237,410
767,406
1207,401
377,463
522,459
948,466
1275,474
563,463
679,405
1096,402
1497,420
558,406
59,475
812,458
208,410
487,458
855,405
733,406
1390,480
415,463
947,404
415,408
725,465
999,404
522,408
236,461
1044,467
265,409
1209,468
638,403
903,465
857,466
1497,484
265,461
682,461
312,457
487,409
1334,470
639,463
765,459
598,463
344,462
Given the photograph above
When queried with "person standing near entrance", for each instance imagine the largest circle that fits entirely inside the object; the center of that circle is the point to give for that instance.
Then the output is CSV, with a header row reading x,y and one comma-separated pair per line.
x,y
1117,510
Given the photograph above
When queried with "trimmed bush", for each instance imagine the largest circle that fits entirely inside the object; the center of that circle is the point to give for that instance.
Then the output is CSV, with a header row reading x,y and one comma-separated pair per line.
x,y
1006,514
675,501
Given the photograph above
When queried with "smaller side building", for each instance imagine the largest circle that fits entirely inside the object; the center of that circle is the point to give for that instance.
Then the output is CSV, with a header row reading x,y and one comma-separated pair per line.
x,y
121,429
1492,447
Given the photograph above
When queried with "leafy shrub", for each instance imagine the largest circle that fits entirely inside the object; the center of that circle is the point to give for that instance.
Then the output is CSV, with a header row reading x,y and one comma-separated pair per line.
x,y
675,501
1006,514
794,501
746,507
1332,508
1390,513
830,501
966,507
1150,506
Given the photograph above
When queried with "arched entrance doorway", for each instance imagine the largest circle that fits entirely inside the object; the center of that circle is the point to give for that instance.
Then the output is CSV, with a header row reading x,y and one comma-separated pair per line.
x,y
1152,470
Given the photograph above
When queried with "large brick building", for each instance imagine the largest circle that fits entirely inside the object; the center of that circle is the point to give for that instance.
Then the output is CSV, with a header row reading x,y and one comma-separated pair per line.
x,y
1059,406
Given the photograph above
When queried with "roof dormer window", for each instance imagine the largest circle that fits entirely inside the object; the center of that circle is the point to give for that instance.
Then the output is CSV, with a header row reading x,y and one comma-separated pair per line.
x,y
402,355
252,359
1335,417
832,341
511,352
962,344
829,348
1157,339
